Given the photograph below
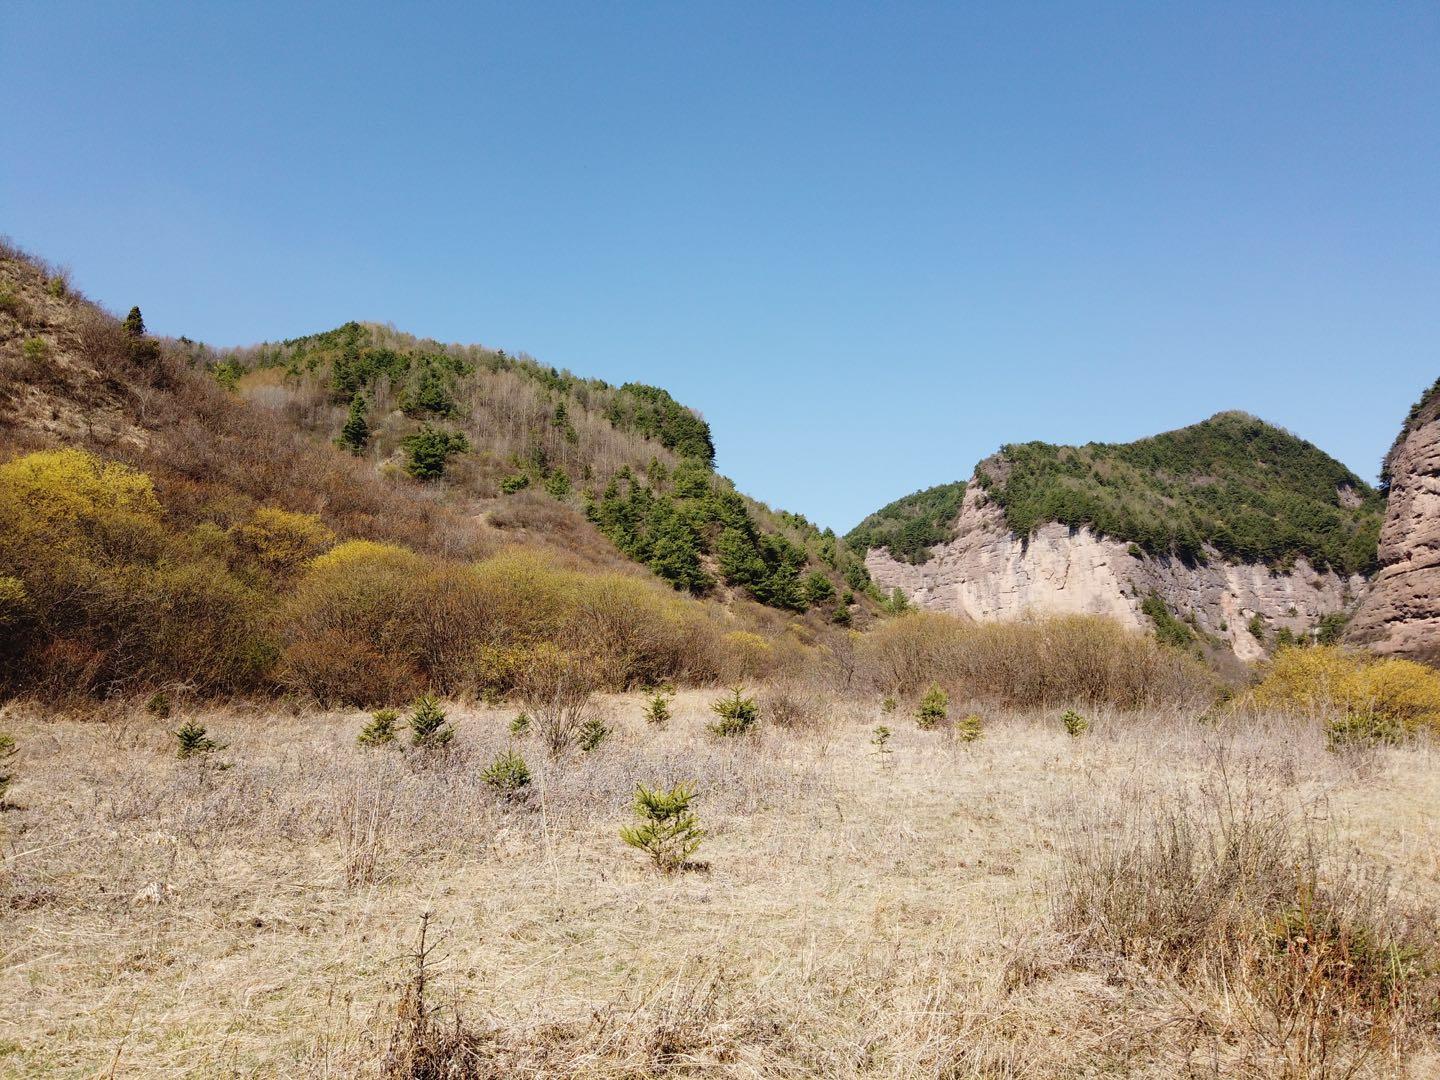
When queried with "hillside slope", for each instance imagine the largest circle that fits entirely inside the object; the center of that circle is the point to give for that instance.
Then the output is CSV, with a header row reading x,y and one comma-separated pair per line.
x,y
386,436
1401,611
1230,529
358,516
535,447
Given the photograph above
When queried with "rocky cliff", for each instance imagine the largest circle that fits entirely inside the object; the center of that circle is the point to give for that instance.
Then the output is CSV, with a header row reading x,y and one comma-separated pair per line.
x,y
1401,613
988,572
1238,528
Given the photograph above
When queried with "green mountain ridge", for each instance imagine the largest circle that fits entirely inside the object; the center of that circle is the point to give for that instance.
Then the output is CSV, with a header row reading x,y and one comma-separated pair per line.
x,y
1232,484
636,462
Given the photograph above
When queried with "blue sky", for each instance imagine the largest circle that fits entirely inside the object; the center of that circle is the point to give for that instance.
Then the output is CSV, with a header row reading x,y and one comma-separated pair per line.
x,y
870,242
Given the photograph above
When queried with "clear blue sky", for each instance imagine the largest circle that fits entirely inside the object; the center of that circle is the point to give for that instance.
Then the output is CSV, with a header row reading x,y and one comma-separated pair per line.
x,y
870,242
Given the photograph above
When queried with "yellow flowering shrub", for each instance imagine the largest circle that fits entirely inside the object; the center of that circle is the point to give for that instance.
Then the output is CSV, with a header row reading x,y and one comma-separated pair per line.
x,y
1329,679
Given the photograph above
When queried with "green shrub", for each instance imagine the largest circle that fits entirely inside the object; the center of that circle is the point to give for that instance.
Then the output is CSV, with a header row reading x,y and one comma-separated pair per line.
x,y
159,705
557,485
508,774
668,831
1331,628
511,484
657,708
7,751
194,742
593,732
355,434
934,708
1075,724
228,373
35,350
520,726
11,304
1168,629
58,287
897,603
737,714
1359,730
380,731
889,705
429,450
1256,626
429,729
880,740
818,588
429,394
969,728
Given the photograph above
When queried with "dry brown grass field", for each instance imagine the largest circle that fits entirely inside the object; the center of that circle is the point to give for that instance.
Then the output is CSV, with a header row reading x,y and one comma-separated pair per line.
x,y
1025,905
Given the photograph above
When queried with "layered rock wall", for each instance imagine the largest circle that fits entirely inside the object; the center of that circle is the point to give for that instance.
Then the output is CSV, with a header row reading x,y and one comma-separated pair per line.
x,y
987,572
1401,613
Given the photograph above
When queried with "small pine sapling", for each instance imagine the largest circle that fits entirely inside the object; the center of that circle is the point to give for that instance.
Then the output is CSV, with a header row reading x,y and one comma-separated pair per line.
x,y
880,740
969,728
592,733
380,731
520,726
657,708
193,742
508,775
889,705
1075,724
429,730
667,830
934,708
737,714
159,705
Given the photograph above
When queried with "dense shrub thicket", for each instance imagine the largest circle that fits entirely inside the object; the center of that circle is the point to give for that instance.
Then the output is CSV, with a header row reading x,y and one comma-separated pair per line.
x,y
1325,680
101,592
1232,483
1032,663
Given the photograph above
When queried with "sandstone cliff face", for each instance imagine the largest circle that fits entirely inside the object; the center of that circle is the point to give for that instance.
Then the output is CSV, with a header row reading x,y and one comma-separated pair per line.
x,y
1401,613
987,572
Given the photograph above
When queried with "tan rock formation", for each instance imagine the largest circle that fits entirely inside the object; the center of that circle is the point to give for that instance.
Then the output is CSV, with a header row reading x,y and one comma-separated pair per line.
x,y
1401,613
987,572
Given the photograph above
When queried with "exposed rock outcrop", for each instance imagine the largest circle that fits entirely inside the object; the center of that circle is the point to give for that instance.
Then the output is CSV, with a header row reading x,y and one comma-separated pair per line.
x,y
987,572
1401,613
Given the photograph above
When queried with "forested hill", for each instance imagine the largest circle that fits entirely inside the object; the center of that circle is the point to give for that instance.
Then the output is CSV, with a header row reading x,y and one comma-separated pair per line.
x,y
1231,484
637,463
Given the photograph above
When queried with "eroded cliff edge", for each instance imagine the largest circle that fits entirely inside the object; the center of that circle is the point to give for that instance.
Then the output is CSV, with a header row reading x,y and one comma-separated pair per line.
x,y
1400,614
988,572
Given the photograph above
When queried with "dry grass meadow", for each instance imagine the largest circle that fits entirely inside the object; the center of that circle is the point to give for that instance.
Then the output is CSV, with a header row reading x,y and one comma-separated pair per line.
x,y
1163,896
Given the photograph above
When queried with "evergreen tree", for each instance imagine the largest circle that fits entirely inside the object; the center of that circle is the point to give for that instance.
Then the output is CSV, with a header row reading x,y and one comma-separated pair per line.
x,y
818,589
134,323
355,435
429,450
674,549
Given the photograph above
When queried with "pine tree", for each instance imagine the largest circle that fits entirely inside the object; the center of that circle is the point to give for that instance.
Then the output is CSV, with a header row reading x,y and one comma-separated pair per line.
x,y
194,742
934,708
380,731
667,831
355,435
818,588
429,730
675,549
135,323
